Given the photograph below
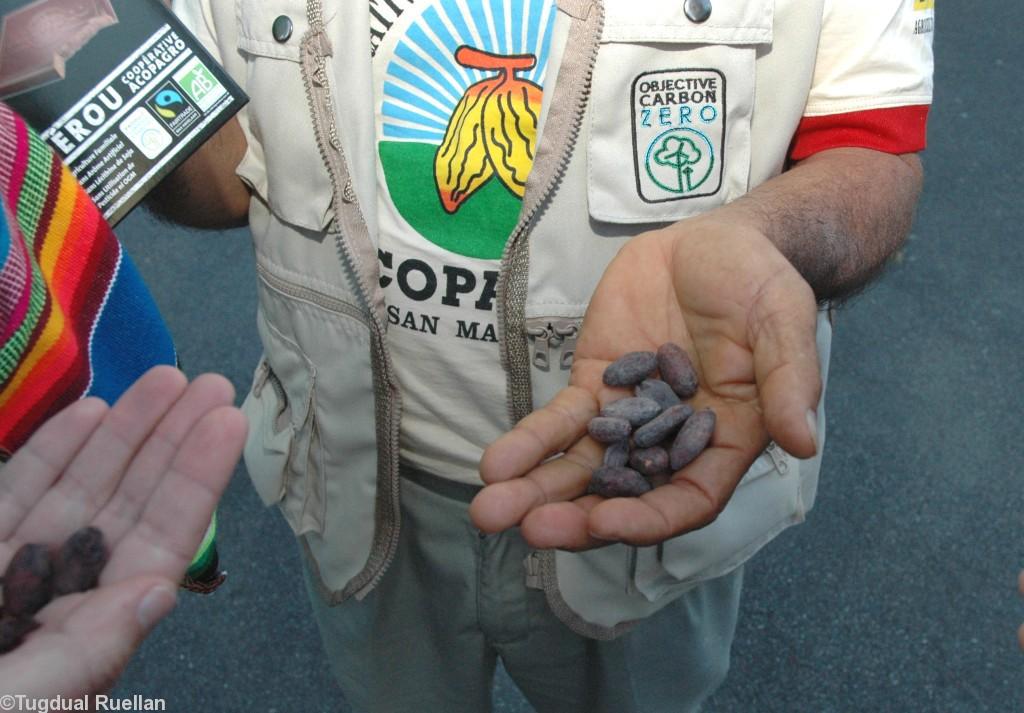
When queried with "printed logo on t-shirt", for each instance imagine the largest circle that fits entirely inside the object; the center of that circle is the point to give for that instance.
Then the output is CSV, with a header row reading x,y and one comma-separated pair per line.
x,y
678,133
457,88
924,23
460,105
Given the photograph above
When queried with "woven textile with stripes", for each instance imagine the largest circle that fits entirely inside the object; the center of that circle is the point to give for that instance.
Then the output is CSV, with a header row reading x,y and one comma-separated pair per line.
x,y
75,318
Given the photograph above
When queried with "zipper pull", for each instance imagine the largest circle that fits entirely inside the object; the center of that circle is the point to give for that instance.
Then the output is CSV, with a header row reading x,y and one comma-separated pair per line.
x,y
631,560
565,331
540,336
778,457
262,374
553,335
532,565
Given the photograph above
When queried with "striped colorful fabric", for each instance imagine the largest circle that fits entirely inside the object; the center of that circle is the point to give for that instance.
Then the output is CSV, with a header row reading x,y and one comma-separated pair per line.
x,y
75,317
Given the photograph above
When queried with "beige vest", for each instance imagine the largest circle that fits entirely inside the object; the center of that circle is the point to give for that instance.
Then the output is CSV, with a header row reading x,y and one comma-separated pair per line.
x,y
324,406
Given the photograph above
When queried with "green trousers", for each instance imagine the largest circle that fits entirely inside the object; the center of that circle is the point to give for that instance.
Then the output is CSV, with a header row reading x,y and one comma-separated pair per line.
x,y
428,638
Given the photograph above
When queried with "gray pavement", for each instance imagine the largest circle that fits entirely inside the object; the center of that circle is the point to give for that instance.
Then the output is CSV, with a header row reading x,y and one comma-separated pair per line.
x,y
898,594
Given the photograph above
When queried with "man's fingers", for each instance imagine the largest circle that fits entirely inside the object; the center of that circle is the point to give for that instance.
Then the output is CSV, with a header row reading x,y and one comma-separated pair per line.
x,y
543,433
782,327
170,528
562,526
504,504
40,462
96,471
683,504
206,393
694,496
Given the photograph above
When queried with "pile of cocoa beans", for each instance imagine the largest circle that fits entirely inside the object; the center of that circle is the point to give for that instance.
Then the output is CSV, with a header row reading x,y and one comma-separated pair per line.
x,y
36,574
652,434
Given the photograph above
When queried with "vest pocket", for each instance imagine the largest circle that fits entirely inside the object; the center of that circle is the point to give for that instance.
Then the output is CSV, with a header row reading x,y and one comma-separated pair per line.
x,y
283,451
767,500
672,99
283,165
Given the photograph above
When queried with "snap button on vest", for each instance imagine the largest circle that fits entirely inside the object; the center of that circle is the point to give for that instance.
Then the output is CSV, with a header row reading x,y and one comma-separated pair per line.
x,y
697,10
283,27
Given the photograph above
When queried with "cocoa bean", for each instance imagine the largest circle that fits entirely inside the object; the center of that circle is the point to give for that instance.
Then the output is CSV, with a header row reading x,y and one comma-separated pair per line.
x,y
630,369
608,430
662,426
617,482
636,410
28,581
79,561
693,438
659,391
617,454
677,370
13,630
650,461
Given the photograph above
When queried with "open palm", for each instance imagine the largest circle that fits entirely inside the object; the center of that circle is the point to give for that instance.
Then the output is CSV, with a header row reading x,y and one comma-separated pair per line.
x,y
147,472
747,318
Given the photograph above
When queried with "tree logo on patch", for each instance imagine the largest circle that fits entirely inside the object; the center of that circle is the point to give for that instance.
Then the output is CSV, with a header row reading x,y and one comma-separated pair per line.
x,y
680,160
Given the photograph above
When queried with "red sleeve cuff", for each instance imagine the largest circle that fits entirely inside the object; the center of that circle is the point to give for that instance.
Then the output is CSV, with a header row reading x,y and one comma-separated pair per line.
x,y
896,130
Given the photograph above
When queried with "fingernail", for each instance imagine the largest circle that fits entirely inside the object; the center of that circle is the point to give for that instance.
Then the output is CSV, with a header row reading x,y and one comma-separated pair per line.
x,y
157,604
812,427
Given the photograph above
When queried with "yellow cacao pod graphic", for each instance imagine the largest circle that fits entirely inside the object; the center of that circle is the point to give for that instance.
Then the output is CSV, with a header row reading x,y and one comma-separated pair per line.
x,y
492,132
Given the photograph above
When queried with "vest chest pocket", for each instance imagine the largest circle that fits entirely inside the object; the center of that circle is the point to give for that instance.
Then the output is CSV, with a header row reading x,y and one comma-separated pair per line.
x,y
671,105
283,164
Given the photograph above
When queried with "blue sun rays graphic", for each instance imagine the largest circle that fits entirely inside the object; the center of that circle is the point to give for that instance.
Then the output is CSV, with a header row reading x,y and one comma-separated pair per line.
x,y
424,83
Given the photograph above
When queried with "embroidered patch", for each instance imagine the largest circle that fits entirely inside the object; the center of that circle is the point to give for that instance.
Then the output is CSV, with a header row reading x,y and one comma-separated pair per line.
x,y
678,133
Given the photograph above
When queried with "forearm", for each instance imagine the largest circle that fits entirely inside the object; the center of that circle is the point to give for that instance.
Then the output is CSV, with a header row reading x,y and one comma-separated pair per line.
x,y
205,191
837,216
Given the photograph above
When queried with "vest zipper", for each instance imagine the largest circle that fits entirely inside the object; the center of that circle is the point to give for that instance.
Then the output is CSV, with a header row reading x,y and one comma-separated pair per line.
x,y
562,129
565,117
349,224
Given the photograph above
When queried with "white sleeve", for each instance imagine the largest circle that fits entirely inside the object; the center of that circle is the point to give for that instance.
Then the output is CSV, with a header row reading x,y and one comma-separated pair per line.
x,y
873,54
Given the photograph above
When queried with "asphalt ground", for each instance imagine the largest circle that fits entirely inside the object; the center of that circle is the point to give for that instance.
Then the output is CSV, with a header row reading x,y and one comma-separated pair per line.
x,y
898,593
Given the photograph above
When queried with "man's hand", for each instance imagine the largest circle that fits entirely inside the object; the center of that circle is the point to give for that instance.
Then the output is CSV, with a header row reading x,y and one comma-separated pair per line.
x,y
720,289
148,472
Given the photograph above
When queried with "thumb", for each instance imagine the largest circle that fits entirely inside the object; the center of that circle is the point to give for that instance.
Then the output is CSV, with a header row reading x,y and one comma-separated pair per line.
x,y
782,329
86,650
